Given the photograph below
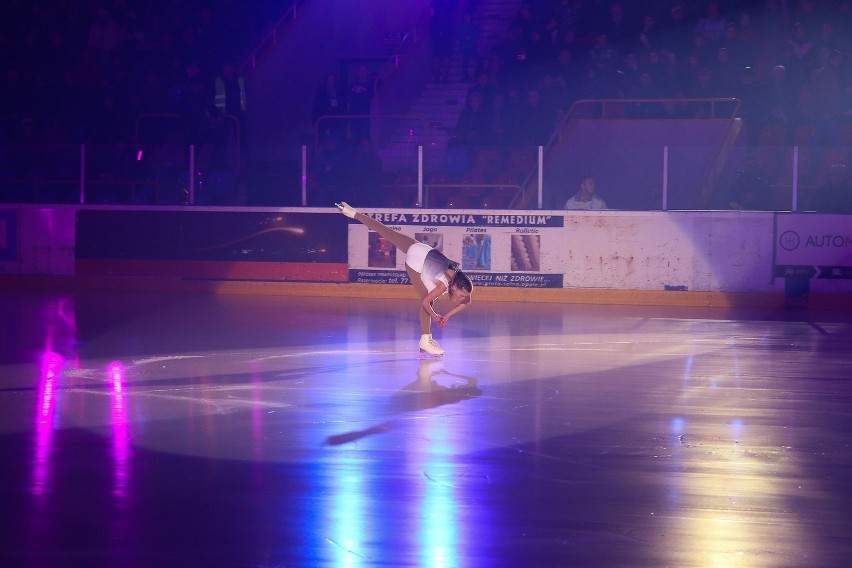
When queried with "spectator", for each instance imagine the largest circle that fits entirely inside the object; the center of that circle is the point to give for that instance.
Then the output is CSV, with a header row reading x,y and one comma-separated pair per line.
x,y
783,104
359,100
677,32
725,75
824,100
230,96
701,46
566,69
802,45
712,25
467,37
554,97
650,37
742,37
643,88
835,194
230,99
329,101
773,22
585,198
497,134
662,72
485,86
442,38
512,116
619,30
750,190
603,55
474,124
628,74
539,120
826,38
103,33
704,87
753,107
516,65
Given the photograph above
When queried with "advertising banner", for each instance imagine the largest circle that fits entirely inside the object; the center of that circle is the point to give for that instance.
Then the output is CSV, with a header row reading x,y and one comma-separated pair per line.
x,y
813,246
227,245
509,250
8,235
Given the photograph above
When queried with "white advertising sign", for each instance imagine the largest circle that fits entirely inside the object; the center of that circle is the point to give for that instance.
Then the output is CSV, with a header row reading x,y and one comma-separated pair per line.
x,y
509,250
813,246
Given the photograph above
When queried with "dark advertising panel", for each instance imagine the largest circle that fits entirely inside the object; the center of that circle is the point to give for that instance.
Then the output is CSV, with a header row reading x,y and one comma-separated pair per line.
x,y
231,245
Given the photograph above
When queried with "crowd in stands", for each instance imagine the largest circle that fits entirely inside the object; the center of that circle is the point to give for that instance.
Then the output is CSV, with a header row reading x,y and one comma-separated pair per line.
x,y
82,71
787,61
85,71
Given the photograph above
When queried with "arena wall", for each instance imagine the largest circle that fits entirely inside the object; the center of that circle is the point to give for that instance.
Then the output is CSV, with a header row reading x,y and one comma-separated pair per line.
x,y
624,257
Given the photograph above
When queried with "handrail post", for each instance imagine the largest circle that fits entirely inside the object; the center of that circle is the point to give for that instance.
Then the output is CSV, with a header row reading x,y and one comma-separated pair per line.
x,y
540,177
420,175
82,174
304,175
191,174
795,205
665,203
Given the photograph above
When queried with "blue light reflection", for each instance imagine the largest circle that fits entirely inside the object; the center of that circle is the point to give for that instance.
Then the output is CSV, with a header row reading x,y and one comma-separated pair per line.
x,y
349,531
438,534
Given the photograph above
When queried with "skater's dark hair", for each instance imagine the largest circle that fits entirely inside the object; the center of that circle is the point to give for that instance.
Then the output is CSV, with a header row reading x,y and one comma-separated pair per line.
x,y
460,279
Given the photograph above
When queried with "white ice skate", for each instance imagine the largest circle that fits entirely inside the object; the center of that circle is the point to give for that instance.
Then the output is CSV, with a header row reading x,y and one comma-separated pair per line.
x,y
429,348
346,209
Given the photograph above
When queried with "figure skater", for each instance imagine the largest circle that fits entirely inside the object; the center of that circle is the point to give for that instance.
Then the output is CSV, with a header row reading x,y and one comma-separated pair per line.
x,y
431,273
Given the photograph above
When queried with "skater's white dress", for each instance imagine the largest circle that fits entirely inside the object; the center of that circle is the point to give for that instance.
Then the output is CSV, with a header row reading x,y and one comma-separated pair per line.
x,y
430,263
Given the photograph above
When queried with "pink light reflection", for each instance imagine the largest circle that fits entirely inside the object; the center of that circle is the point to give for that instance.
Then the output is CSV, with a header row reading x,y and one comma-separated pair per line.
x,y
257,416
120,429
51,363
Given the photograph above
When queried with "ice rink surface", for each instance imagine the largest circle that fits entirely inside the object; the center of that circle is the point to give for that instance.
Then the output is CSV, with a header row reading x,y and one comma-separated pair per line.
x,y
141,430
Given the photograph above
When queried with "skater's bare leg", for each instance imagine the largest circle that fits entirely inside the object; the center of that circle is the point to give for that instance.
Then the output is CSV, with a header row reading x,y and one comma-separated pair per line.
x,y
425,320
400,241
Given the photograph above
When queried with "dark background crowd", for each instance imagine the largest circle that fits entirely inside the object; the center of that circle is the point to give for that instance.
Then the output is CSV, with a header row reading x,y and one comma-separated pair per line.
x,y
83,72
787,62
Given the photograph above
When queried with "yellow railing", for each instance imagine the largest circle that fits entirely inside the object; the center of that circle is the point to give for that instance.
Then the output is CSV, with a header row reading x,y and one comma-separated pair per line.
x,y
608,109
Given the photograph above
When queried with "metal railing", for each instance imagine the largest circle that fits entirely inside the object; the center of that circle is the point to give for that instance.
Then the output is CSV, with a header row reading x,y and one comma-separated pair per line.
x,y
608,109
783,178
271,39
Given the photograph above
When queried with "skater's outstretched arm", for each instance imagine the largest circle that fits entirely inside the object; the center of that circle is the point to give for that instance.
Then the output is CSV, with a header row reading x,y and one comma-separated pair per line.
x,y
428,300
454,311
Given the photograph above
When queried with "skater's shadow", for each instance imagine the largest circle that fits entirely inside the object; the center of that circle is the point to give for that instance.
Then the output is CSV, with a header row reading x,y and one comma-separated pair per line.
x,y
424,393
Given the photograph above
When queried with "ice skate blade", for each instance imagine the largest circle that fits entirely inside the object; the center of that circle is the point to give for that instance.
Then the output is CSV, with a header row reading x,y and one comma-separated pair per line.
x,y
424,355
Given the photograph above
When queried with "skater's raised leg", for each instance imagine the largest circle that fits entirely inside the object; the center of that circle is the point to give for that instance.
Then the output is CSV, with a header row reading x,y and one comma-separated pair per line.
x,y
400,241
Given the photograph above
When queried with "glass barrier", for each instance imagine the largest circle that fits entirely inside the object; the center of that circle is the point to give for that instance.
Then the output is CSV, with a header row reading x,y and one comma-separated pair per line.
x,y
407,164
758,178
40,173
